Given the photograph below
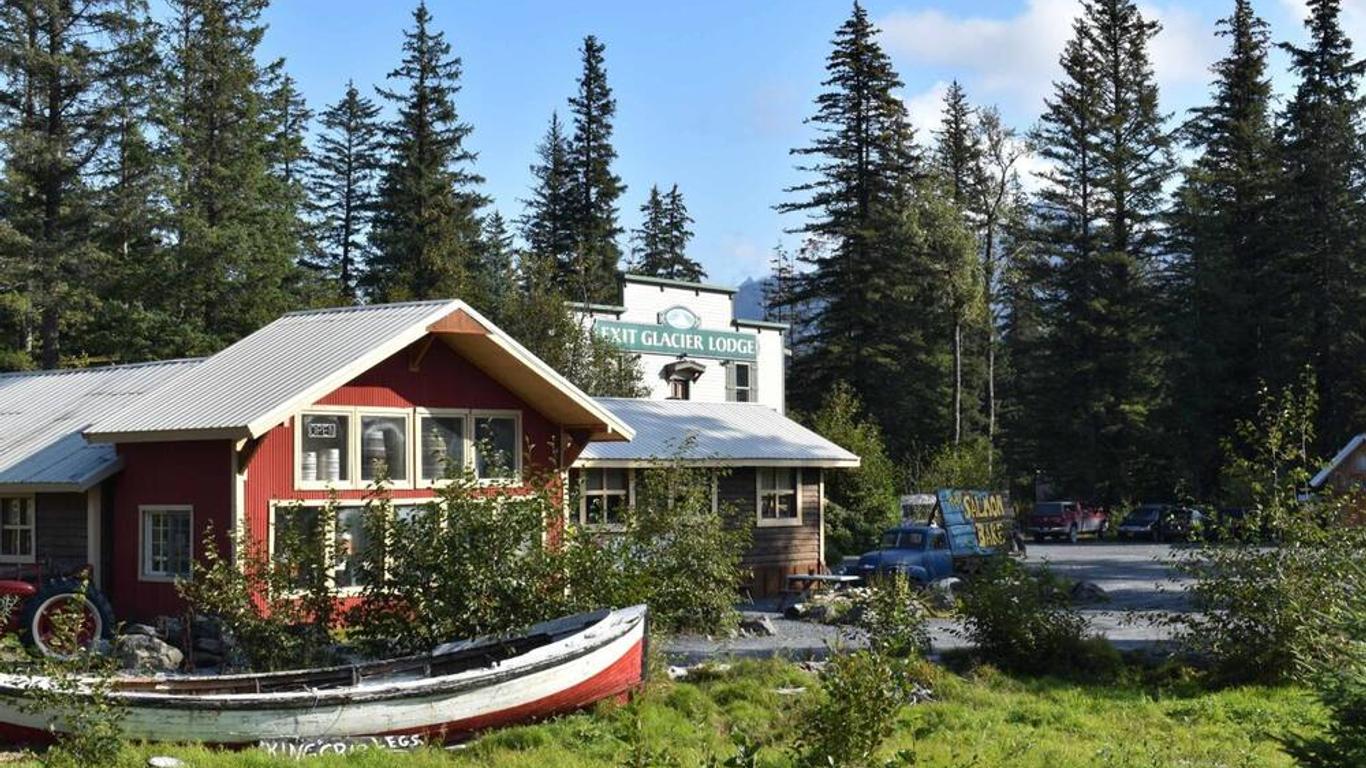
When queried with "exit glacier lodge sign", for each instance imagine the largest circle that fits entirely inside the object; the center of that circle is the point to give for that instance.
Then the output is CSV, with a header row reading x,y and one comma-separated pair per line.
x,y
677,334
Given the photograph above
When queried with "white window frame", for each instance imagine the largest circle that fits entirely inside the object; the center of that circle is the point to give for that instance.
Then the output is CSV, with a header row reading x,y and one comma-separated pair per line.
x,y
467,450
145,573
760,492
473,459
352,440
358,414
629,493
733,388
30,502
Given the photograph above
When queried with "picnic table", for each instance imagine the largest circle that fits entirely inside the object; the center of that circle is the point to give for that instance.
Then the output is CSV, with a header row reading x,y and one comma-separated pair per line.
x,y
805,582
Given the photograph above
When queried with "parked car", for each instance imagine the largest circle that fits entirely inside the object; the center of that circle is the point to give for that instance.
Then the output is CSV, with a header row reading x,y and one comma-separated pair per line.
x,y
1143,522
923,553
1164,522
1065,519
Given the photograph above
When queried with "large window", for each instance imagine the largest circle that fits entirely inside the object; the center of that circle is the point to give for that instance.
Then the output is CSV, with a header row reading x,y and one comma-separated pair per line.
x,y
384,446
166,542
604,497
297,528
325,448
777,490
16,529
441,445
497,447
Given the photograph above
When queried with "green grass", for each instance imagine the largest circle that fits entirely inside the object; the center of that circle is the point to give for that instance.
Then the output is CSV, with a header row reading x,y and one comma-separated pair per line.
x,y
983,719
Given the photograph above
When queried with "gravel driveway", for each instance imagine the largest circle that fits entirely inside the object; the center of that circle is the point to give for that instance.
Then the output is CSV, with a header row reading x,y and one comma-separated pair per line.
x,y
1137,577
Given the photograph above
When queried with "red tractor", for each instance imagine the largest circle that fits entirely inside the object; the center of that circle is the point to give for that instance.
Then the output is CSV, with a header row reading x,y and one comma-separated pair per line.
x,y
40,596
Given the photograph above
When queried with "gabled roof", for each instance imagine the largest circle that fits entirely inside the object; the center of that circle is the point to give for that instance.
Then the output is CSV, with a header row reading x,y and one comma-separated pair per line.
x,y
720,434
42,414
1342,455
255,384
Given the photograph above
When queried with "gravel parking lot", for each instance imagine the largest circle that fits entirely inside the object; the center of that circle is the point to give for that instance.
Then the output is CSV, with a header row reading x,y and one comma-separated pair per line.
x,y
1137,577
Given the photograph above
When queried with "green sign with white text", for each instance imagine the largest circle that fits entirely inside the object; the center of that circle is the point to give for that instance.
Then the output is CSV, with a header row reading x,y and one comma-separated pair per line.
x,y
668,340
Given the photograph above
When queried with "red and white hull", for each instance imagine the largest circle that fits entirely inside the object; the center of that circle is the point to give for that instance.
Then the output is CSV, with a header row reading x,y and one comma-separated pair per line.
x,y
604,660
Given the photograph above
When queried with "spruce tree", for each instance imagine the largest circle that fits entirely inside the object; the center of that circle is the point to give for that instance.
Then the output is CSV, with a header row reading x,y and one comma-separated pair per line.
x,y
650,254
426,230
1318,316
1099,233
869,261
61,62
548,224
342,186
494,276
1222,234
662,239
958,150
233,264
596,188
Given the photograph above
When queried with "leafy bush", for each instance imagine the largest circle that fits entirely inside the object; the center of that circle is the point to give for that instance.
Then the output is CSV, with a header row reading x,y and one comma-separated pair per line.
x,y
277,607
855,710
474,562
1338,677
1024,622
894,617
674,552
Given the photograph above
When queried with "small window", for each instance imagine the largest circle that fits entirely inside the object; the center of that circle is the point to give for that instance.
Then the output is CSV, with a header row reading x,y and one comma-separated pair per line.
x,y
606,494
383,446
324,442
496,454
680,389
441,446
941,541
166,543
16,529
777,495
742,388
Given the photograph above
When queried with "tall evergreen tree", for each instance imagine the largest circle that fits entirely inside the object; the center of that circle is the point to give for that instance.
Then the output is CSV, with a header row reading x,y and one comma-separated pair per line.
x,y
862,277
662,239
1100,207
596,188
342,187
548,224
957,148
1222,232
426,229
1319,316
233,263
61,62
494,275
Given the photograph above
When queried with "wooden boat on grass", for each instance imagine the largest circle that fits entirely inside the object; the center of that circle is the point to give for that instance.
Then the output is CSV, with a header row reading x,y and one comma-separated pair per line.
x,y
556,667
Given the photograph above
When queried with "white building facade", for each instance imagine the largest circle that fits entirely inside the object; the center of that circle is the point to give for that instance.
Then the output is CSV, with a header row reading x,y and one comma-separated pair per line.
x,y
691,345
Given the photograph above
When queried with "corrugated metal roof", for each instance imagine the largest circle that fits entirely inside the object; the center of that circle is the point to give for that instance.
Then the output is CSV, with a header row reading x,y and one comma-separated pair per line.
x,y
272,366
724,433
43,412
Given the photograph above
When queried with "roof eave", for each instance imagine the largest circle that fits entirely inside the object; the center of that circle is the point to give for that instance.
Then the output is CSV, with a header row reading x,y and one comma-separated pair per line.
x,y
169,435
702,461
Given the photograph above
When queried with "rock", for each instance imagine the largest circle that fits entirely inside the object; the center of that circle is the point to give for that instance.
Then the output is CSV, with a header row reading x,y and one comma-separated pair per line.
x,y
757,625
140,629
141,653
1088,592
204,626
943,592
208,645
796,611
161,761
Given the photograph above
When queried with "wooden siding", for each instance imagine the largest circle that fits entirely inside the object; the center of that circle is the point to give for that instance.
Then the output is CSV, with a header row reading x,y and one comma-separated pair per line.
x,y
195,473
62,532
444,380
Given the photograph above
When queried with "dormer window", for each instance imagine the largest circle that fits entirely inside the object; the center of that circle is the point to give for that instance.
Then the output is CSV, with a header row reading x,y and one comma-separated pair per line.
x,y
680,375
680,389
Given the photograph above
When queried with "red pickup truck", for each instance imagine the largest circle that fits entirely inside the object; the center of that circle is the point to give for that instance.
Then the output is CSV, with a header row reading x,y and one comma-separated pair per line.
x,y
1065,519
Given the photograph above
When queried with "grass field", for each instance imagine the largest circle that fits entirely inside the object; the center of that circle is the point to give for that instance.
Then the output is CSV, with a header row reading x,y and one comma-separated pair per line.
x,y
984,719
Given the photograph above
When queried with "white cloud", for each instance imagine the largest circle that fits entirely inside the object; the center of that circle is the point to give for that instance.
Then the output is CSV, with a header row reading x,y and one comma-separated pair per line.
x,y
1014,60
926,110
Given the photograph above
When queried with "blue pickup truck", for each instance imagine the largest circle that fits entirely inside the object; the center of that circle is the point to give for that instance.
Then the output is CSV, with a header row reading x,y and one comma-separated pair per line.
x,y
940,539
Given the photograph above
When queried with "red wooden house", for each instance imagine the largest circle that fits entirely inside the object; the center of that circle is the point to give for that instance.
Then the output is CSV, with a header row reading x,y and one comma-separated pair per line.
x,y
125,468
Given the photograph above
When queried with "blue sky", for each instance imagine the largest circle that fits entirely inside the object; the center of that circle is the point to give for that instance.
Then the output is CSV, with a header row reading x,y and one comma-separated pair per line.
x,y
711,95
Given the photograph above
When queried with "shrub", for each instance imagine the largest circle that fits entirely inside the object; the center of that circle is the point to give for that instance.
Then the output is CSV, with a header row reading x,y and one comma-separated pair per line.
x,y
1338,678
894,617
1023,621
855,710
277,607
